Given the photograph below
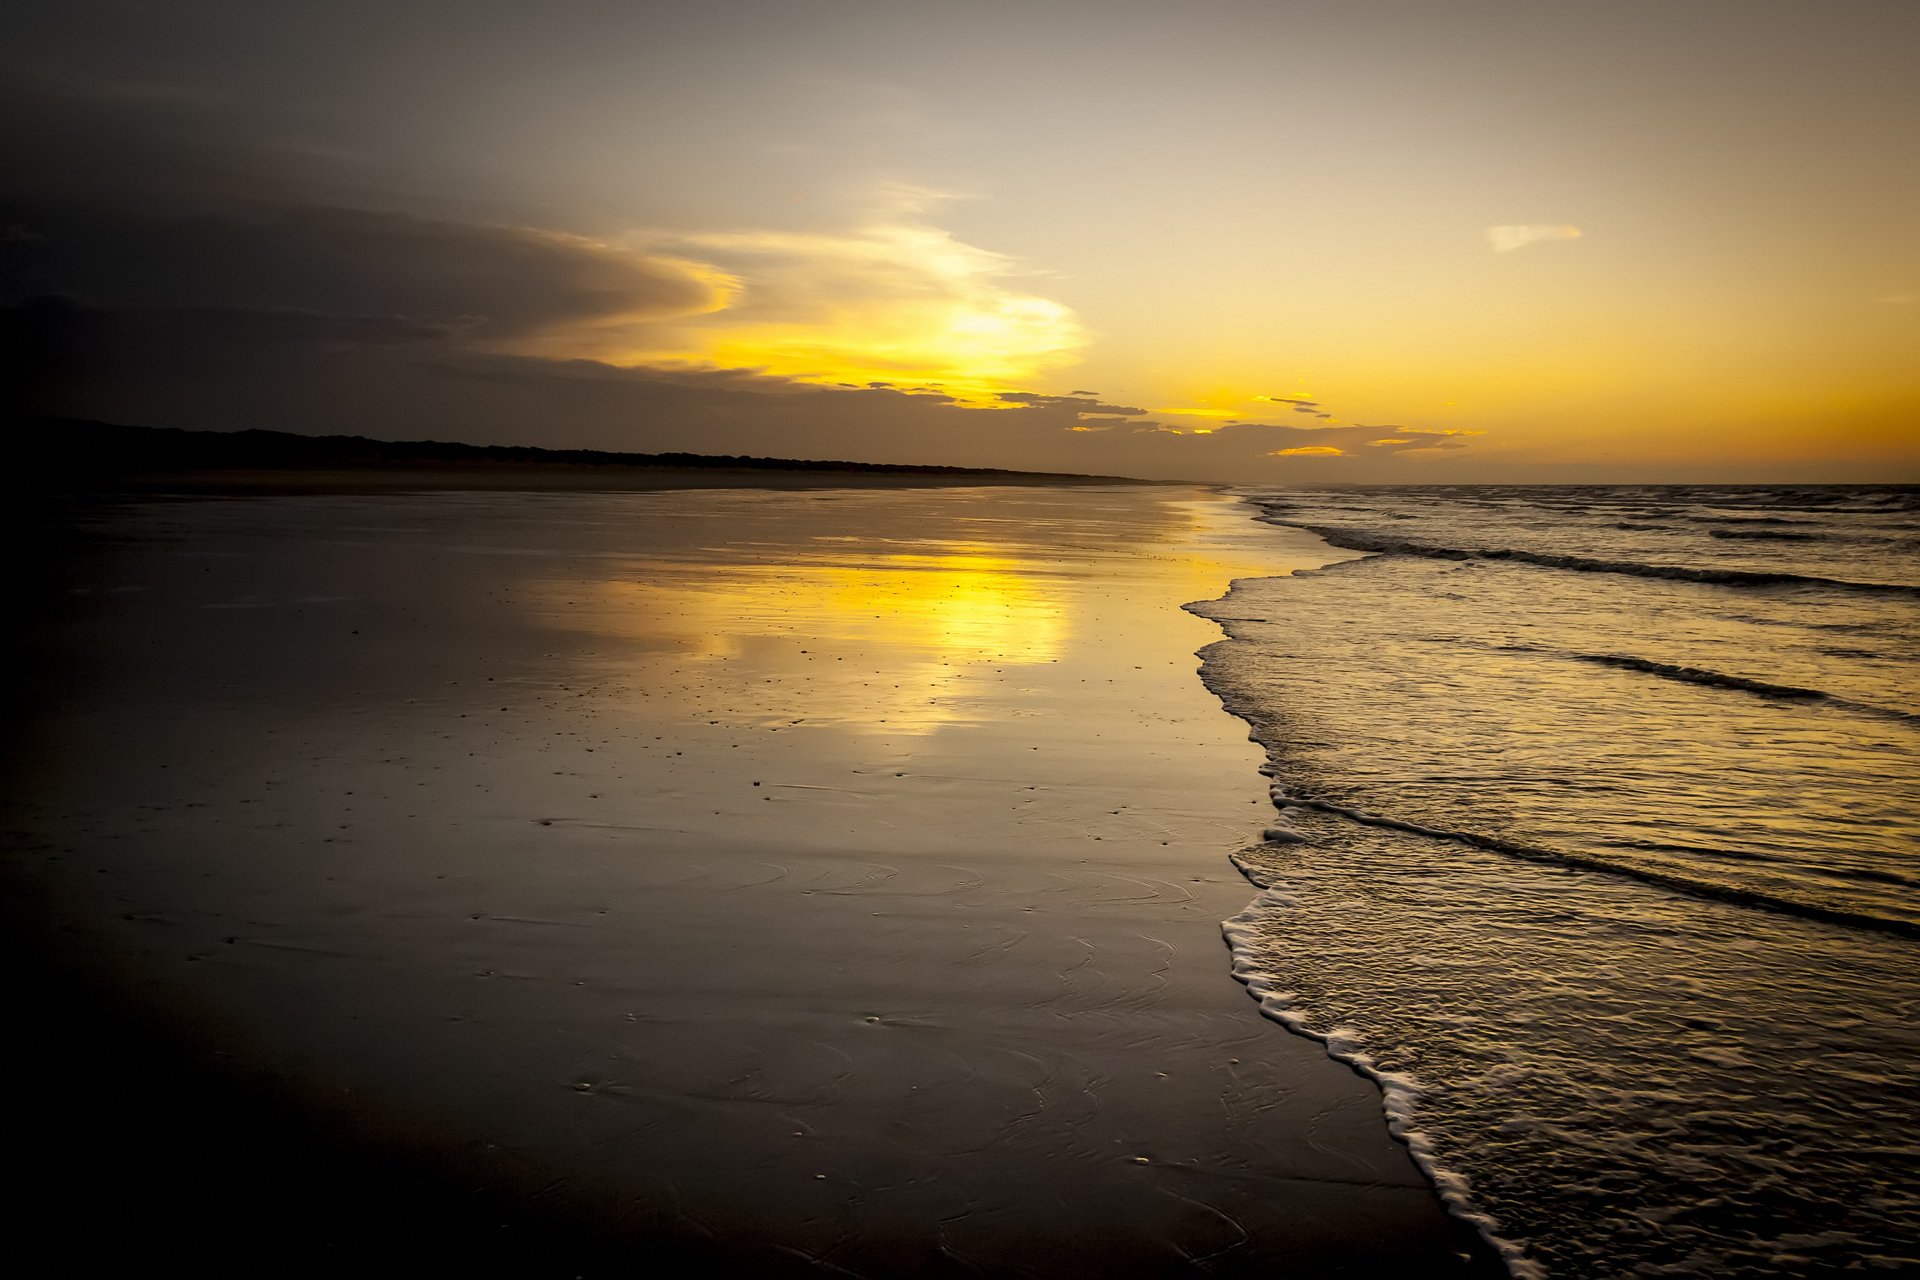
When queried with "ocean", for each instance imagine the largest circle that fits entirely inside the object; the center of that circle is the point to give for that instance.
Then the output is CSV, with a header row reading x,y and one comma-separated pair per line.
x,y
1599,814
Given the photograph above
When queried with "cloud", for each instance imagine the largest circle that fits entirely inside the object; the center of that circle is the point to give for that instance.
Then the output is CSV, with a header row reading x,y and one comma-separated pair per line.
x,y
167,277
227,369
1899,299
1508,238
144,203
894,298
1074,401
501,284
1418,439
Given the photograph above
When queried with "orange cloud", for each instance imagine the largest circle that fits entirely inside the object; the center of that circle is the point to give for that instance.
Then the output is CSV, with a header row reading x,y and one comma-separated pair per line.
x,y
1309,451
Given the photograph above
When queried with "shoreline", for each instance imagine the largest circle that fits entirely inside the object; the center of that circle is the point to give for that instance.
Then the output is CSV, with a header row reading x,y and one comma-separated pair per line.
x,y
860,874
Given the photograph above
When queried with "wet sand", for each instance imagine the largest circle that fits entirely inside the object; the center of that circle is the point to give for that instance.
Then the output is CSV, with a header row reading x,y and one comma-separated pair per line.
x,y
573,883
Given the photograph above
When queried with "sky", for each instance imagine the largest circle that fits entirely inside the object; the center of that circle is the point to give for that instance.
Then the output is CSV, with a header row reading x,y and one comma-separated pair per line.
x,y
1372,241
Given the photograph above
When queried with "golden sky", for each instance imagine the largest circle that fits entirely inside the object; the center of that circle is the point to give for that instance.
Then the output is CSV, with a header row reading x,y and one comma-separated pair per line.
x,y
1385,240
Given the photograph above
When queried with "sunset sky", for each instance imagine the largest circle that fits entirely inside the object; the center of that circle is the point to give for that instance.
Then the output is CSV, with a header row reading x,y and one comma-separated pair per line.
x,y
1373,241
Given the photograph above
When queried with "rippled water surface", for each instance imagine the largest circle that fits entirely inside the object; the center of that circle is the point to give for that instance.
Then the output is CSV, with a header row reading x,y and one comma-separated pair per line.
x,y
1599,847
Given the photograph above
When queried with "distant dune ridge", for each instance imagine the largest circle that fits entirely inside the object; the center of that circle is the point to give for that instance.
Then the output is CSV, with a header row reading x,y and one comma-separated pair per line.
x,y
75,449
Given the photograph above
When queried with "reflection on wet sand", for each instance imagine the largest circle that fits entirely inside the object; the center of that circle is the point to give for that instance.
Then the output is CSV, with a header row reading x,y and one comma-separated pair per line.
x,y
966,587
934,615
797,880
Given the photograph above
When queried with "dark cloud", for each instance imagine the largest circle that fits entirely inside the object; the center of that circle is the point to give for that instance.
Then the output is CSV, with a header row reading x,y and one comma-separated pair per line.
x,y
145,203
499,282
1074,401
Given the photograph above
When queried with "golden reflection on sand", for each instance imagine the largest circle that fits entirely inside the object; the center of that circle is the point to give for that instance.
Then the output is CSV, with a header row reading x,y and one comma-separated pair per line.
x,y
931,618
900,621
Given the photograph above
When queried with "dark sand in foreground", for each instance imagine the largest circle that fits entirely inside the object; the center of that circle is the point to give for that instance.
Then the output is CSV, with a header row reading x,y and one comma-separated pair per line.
x,y
584,883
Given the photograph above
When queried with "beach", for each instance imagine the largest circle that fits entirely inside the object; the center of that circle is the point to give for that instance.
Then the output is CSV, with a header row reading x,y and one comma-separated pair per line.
x,y
813,879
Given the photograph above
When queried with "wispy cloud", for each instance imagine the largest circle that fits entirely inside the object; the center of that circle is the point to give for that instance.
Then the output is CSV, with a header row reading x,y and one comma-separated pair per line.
x,y
1416,439
1508,238
1309,451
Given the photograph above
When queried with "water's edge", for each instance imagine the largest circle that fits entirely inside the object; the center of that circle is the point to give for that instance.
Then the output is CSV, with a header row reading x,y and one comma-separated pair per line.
x,y
1399,1096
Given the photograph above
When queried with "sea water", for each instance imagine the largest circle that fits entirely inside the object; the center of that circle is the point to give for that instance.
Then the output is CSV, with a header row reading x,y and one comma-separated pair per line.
x,y
1598,845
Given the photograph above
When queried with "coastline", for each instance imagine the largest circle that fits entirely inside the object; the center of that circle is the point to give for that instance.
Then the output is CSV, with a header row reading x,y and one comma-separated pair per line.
x,y
792,880
110,459
559,478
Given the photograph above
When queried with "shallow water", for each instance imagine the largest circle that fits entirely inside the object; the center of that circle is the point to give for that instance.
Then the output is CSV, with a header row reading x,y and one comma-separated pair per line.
x,y
1598,850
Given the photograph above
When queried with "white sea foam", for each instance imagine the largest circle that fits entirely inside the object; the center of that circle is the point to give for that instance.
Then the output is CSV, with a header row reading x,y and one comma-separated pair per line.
x,y
1399,1090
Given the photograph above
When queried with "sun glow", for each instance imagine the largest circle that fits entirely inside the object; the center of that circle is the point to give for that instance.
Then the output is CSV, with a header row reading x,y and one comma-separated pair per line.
x,y
968,349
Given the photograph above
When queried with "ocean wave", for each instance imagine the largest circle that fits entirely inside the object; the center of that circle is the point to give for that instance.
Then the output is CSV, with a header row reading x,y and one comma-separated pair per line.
x,y
1765,535
1283,799
1868,875
1365,540
1245,705
1243,708
1715,679
1400,1092
1744,520
1486,872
